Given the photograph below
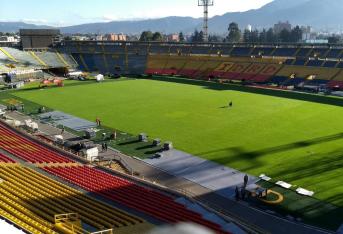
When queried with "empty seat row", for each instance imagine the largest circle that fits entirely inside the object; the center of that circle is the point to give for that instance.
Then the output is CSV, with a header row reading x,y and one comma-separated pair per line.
x,y
27,149
152,202
6,159
41,198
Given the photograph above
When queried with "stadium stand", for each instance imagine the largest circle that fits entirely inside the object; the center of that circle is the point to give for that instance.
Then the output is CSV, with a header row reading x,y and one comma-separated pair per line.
x,y
156,64
315,63
234,72
80,60
208,64
294,81
196,61
187,65
180,49
205,65
334,53
115,48
267,73
278,79
337,81
200,50
7,56
303,52
221,49
301,74
137,64
159,49
51,59
263,51
90,61
27,149
116,63
289,61
5,159
174,64
300,62
285,52
99,62
251,71
331,64
40,59
35,199
23,57
241,51
136,48
319,52
156,204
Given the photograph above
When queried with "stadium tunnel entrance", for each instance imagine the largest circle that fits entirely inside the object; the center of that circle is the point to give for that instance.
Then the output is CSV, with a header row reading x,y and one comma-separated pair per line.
x,y
58,71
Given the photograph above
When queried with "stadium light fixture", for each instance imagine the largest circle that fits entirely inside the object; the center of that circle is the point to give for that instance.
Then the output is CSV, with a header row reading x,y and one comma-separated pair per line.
x,y
205,4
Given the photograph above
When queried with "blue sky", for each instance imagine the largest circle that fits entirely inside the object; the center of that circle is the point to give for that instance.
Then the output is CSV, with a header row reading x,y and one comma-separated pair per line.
x,y
71,12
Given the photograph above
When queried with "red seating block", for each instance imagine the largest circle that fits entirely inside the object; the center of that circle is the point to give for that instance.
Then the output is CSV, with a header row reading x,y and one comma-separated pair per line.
x,y
28,150
5,159
155,203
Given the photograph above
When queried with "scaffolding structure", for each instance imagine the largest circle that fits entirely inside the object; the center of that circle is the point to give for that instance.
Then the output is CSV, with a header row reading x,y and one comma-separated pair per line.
x,y
205,4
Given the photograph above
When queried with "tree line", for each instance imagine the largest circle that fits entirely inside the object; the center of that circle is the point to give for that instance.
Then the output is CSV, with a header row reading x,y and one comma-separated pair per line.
x,y
263,36
235,35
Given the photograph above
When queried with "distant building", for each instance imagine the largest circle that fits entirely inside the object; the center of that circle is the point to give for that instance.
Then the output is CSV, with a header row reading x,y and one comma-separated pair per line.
x,y
80,38
39,38
8,39
308,33
317,41
282,26
173,37
249,28
99,37
116,37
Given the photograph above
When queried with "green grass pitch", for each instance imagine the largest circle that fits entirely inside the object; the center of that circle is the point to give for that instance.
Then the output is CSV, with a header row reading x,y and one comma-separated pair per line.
x,y
296,141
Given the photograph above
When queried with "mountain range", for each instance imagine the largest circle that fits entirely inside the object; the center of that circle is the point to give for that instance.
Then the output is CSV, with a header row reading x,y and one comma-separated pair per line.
x,y
320,14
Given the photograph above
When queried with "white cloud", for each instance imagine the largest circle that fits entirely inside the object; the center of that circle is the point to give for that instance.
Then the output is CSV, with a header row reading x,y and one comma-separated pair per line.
x,y
187,9
35,21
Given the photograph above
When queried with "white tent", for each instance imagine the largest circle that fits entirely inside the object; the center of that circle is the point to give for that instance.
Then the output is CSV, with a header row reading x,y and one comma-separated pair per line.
x,y
99,77
74,74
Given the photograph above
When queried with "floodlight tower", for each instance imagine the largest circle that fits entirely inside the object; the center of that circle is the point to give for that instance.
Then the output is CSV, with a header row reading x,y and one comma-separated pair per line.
x,y
205,4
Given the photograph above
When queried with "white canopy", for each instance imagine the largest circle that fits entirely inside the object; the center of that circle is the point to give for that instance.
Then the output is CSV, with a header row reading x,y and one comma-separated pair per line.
x,y
99,77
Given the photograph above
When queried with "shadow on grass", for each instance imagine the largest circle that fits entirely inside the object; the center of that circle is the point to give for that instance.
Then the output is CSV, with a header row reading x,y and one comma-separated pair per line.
x,y
309,209
145,147
153,151
324,163
239,153
335,101
129,142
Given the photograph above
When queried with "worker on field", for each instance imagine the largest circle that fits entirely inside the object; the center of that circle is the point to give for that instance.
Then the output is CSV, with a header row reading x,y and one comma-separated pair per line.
x,y
113,135
230,104
237,194
246,179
